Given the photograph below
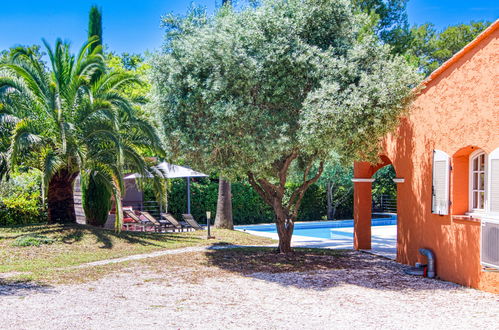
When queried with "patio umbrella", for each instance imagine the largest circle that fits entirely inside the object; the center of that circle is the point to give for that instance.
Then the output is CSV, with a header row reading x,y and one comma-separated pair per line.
x,y
171,171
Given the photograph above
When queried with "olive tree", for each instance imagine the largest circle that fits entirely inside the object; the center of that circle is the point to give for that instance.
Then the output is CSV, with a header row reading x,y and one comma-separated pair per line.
x,y
249,92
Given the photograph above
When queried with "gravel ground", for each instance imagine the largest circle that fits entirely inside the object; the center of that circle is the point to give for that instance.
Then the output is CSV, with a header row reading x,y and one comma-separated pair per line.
x,y
170,296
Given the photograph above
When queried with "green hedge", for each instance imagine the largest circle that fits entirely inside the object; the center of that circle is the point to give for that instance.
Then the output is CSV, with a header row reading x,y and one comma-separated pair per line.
x,y
247,206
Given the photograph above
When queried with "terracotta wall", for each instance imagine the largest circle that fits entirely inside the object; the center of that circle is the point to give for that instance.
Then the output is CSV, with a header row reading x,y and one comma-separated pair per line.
x,y
457,113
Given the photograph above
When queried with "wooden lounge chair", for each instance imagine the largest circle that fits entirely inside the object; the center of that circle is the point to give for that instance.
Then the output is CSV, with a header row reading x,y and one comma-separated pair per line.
x,y
158,226
130,214
180,225
193,223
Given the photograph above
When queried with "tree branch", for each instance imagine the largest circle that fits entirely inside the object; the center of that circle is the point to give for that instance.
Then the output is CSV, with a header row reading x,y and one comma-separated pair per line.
x,y
284,169
307,170
295,200
270,188
266,197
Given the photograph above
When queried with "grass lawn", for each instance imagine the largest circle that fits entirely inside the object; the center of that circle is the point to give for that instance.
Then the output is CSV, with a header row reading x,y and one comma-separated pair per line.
x,y
77,244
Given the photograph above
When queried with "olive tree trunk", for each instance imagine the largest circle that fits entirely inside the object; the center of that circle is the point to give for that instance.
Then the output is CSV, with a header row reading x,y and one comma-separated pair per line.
x,y
223,217
60,198
285,226
286,211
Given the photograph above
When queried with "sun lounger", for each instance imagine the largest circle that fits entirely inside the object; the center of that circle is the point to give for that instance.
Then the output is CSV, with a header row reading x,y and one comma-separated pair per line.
x,y
190,220
158,226
180,225
132,220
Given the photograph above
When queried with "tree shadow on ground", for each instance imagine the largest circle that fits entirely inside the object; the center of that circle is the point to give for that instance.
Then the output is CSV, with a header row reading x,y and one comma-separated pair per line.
x,y
106,236
74,233
321,269
21,288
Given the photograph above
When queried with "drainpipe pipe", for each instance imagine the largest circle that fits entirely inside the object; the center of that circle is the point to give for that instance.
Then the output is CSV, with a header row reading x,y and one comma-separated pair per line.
x,y
431,261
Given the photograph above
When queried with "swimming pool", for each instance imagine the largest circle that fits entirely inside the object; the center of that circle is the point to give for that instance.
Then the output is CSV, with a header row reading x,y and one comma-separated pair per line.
x,y
322,229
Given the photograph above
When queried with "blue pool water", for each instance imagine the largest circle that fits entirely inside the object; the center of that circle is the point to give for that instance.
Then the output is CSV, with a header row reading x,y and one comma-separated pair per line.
x,y
322,229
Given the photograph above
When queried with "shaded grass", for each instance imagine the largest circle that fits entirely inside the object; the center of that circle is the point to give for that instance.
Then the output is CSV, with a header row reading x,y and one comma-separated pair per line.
x,y
78,244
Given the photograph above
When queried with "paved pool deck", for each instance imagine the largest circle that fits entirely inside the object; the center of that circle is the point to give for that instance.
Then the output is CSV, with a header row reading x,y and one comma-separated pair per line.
x,y
383,240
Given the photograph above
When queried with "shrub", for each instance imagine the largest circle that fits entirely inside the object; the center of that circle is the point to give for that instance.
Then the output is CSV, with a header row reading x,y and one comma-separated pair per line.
x,y
32,240
96,200
20,200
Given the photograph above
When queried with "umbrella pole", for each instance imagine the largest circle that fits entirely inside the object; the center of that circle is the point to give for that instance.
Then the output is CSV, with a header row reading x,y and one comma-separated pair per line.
x,y
188,195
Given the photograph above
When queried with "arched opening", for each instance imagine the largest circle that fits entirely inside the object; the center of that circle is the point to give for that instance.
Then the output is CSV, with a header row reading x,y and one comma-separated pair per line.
x,y
375,188
384,212
384,190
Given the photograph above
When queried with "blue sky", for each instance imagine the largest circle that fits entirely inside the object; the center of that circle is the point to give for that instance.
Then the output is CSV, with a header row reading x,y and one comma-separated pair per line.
x,y
133,26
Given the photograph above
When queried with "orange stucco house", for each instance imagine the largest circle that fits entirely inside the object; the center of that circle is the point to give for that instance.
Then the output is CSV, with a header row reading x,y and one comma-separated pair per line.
x,y
445,153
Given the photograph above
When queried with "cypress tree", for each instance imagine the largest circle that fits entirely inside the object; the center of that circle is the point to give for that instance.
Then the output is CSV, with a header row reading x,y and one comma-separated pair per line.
x,y
95,26
96,197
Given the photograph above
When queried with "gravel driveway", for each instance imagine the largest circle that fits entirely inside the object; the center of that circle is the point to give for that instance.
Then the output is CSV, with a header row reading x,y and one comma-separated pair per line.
x,y
206,296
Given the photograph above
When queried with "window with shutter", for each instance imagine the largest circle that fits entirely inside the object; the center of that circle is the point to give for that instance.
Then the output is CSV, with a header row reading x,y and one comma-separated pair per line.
x,y
478,173
493,182
440,183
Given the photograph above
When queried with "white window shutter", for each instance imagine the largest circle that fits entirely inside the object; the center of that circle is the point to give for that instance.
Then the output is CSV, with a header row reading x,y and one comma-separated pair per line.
x,y
493,181
440,183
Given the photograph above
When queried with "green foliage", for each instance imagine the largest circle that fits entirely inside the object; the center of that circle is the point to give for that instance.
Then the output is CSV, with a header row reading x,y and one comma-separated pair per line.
x,y
391,21
203,198
132,64
339,177
63,121
96,199
132,61
252,86
20,200
383,183
32,240
247,206
5,55
429,48
95,28
313,206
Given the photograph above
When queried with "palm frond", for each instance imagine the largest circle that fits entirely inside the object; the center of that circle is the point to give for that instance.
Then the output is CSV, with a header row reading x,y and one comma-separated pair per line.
x,y
6,118
24,138
51,164
27,78
145,128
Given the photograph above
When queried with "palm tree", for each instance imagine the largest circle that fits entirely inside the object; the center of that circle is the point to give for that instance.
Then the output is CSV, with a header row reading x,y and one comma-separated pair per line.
x,y
65,124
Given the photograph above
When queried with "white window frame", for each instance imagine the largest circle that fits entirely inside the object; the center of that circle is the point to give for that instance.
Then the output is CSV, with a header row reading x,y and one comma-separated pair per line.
x,y
473,156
